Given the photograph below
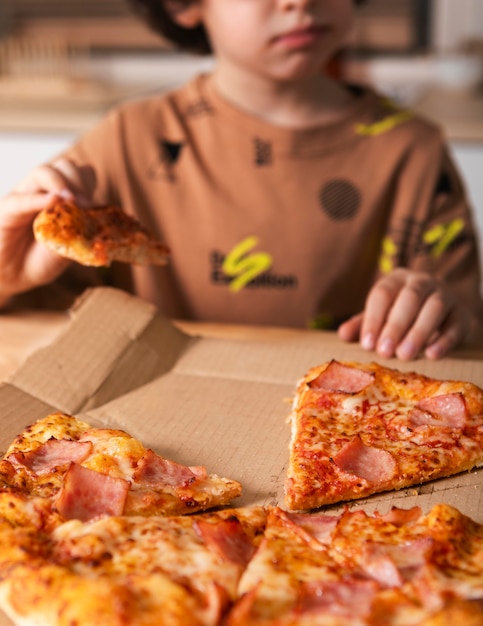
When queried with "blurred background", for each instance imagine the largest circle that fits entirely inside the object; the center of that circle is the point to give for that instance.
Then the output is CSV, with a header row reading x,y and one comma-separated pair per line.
x,y
63,63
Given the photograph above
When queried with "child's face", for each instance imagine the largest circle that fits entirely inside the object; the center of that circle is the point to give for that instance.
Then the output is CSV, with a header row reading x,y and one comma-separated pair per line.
x,y
278,39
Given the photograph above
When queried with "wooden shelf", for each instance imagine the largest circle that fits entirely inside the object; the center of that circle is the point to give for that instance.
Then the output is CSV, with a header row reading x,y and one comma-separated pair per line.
x,y
107,33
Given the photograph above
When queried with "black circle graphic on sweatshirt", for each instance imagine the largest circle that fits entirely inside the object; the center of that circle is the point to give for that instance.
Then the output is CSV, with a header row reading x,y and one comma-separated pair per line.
x,y
340,199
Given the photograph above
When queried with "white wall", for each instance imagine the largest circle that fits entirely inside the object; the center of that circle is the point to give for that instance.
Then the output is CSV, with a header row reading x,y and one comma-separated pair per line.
x,y
20,152
469,158
455,22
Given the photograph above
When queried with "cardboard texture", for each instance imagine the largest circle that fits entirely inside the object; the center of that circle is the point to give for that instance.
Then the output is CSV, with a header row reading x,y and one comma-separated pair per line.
x,y
201,401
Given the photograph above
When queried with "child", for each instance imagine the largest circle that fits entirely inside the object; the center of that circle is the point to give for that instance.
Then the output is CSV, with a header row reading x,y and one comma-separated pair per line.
x,y
286,197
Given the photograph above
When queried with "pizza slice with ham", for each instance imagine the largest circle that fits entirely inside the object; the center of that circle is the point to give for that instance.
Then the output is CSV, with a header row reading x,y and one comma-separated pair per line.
x,y
360,429
86,472
356,569
130,570
97,236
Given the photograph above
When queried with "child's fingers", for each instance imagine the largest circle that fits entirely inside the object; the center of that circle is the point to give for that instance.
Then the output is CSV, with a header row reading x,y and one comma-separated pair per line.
x,y
82,180
417,310
428,321
351,329
454,331
379,304
17,208
63,178
44,178
41,265
406,313
367,326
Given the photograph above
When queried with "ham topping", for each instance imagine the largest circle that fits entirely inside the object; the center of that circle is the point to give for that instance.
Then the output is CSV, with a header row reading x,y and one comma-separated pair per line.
x,y
392,565
349,598
86,494
51,454
342,378
401,517
373,464
217,600
156,472
447,410
318,526
243,610
227,539
381,567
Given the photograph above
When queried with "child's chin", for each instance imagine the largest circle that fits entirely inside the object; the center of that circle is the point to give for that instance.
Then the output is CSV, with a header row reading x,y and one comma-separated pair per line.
x,y
299,69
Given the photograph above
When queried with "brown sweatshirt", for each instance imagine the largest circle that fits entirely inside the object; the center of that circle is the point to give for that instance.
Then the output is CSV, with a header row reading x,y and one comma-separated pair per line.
x,y
269,225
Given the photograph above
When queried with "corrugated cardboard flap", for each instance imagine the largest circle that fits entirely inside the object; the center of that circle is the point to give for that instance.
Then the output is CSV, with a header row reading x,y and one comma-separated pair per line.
x,y
114,343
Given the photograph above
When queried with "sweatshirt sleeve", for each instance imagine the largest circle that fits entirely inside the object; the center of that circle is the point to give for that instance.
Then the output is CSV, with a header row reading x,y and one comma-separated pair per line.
x,y
432,227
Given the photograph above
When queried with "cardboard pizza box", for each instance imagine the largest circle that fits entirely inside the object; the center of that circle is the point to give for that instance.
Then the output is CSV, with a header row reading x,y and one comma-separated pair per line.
x,y
202,400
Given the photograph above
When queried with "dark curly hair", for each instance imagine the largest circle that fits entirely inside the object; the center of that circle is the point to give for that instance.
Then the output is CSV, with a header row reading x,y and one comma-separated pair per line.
x,y
155,15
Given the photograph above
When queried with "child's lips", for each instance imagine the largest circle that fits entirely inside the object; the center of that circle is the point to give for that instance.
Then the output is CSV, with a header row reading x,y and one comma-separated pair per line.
x,y
302,37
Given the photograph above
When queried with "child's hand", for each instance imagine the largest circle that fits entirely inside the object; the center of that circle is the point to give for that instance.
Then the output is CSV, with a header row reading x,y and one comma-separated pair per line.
x,y
407,312
24,263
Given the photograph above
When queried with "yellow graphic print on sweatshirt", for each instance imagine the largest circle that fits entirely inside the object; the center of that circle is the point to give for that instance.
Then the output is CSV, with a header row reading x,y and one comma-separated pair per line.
x,y
388,256
396,117
245,267
438,238
441,236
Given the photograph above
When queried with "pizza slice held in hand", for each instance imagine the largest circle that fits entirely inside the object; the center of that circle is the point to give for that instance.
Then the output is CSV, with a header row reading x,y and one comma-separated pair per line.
x,y
86,472
360,429
97,236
